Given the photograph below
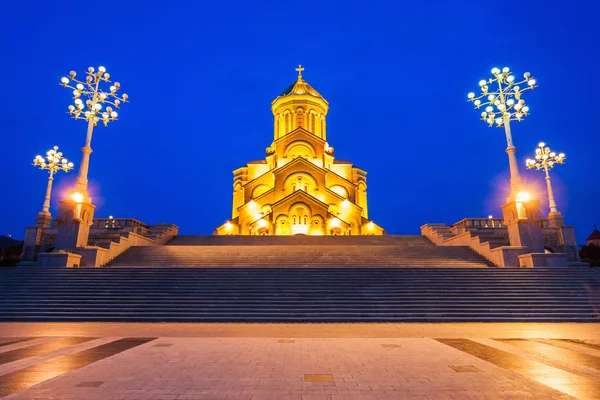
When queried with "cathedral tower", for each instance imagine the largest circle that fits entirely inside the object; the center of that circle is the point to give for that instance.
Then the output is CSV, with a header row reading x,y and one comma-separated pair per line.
x,y
300,106
299,188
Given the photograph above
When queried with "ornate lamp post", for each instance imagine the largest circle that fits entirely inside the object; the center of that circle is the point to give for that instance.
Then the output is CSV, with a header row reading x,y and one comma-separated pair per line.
x,y
53,162
546,159
502,103
92,104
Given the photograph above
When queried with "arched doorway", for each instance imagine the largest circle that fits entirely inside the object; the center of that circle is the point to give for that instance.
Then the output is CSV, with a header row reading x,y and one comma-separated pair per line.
x,y
336,231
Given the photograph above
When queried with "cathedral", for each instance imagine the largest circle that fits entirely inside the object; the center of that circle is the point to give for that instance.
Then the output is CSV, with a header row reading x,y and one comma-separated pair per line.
x,y
299,188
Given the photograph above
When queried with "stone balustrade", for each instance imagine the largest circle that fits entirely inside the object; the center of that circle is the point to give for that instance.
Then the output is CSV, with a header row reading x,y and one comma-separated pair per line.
x,y
471,224
123,224
108,238
489,237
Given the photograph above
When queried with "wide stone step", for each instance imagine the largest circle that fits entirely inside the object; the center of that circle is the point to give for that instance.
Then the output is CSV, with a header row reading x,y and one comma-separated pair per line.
x,y
183,240
306,318
301,252
299,295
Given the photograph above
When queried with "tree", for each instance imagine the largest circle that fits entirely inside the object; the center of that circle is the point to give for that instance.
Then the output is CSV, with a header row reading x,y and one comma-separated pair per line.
x,y
590,254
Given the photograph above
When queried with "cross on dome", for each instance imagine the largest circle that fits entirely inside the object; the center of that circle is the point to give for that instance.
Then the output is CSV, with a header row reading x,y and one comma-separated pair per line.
x,y
300,87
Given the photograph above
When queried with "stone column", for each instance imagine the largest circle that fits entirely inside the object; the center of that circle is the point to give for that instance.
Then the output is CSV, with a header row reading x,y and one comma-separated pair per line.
x,y
523,221
74,221
566,236
33,234
31,243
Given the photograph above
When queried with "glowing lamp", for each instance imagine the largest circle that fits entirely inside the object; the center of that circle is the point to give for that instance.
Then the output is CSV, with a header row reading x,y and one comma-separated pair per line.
x,y
523,196
77,197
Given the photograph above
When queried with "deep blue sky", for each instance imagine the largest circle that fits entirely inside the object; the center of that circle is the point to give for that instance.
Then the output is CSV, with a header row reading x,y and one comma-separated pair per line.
x,y
201,77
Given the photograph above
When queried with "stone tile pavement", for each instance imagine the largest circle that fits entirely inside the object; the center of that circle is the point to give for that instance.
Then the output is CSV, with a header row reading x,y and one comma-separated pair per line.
x,y
235,365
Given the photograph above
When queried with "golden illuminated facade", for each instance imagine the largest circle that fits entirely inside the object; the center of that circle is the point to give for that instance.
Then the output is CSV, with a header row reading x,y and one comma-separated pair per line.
x,y
299,188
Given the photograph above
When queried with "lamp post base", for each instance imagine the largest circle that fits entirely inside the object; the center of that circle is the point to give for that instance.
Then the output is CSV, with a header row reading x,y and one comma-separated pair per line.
x,y
74,220
43,219
522,220
33,236
556,220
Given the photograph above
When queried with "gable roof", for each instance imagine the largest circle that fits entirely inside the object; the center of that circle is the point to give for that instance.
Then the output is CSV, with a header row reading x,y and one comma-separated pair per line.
x,y
303,194
299,160
297,132
594,236
315,167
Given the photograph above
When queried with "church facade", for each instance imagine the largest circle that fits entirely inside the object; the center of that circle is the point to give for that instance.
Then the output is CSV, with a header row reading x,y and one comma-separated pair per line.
x,y
299,188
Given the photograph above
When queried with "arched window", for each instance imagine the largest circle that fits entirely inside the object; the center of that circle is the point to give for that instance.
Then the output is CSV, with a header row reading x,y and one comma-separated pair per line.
x,y
287,122
293,187
312,123
306,188
305,220
294,220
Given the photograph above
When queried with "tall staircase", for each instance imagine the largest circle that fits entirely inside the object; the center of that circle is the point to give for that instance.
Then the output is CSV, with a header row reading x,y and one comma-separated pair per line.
x,y
299,279
299,294
300,252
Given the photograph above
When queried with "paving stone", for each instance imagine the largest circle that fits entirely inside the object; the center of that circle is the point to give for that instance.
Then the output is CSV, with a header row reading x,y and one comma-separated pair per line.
x,y
93,384
464,368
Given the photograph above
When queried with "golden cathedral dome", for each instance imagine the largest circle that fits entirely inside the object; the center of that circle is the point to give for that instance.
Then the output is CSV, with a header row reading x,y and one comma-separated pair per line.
x,y
300,87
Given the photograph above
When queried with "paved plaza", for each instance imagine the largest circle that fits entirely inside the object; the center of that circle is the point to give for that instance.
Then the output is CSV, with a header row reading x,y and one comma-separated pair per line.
x,y
299,361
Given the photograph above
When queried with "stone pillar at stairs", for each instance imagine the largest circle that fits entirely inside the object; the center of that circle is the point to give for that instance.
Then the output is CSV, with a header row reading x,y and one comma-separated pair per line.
x,y
523,221
75,216
566,236
33,237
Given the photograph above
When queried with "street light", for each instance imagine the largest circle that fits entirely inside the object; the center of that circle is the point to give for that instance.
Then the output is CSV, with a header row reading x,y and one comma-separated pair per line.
x,y
546,159
92,104
502,105
53,162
